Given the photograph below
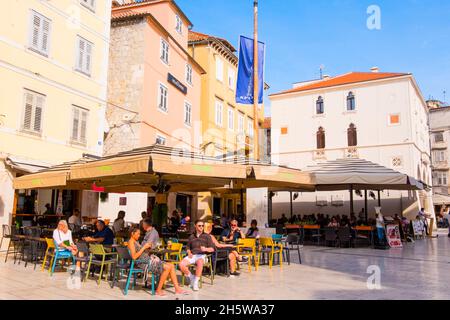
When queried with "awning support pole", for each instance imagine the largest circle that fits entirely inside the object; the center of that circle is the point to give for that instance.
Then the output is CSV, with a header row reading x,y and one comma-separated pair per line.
x,y
352,211
379,198
365,205
290,197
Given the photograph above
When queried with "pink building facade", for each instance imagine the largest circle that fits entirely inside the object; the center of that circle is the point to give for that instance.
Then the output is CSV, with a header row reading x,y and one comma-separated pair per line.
x,y
154,89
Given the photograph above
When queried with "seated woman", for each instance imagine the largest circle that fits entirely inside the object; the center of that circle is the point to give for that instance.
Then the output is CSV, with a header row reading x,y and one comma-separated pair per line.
x,y
333,223
63,238
233,256
253,231
152,263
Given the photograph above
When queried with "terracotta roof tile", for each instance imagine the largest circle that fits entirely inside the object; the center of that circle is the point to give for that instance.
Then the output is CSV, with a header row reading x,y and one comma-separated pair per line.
x,y
195,36
349,78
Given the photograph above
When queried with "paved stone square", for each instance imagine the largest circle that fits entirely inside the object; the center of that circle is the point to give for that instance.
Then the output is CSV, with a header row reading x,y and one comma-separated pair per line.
x,y
418,271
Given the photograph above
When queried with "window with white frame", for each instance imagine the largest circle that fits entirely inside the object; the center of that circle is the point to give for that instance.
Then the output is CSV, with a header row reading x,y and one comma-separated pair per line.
x,y
90,4
441,178
179,25
189,74
39,39
163,98
160,140
230,118
439,156
33,110
187,113
79,125
240,123
231,78
84,55
164,51
219,113
219,69
250,127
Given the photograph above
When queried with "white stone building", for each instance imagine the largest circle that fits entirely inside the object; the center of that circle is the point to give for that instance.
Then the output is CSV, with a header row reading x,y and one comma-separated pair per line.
x,y
440,148
380,117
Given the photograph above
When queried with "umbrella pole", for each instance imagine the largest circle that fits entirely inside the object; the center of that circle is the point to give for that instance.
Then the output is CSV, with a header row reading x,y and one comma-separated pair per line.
x,y
352,211
379,198
365,205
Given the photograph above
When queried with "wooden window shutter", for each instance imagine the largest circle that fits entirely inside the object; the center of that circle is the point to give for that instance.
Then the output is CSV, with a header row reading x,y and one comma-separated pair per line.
x,y
83,126
36,31
28,111
75,123
38,113
45,35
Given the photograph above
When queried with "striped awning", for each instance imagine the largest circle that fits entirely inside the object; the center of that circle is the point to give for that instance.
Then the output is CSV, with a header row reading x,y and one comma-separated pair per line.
x,y
359,174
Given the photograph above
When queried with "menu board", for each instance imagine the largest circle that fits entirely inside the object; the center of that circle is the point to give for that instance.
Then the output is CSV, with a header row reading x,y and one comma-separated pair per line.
x,y
393,236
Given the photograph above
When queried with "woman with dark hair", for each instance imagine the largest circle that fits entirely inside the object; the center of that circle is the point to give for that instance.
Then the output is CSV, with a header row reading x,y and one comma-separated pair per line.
x,y
151,263
119,223
253,231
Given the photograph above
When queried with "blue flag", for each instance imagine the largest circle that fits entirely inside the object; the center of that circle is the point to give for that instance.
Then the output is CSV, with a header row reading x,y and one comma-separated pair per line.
x,y
244,90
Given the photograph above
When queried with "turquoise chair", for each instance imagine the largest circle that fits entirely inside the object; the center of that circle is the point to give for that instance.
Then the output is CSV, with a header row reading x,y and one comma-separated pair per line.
x,y
277,237
126,263
61,254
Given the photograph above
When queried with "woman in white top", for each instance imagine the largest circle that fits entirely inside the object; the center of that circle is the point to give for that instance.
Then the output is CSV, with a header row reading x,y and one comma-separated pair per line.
x,y
63,237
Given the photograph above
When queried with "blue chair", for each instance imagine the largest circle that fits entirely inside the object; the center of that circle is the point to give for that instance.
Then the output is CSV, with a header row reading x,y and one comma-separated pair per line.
x,y
277,237
127,264
60,254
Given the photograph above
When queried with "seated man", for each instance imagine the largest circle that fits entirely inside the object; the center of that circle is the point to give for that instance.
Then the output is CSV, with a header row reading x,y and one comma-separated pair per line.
x,y
104,234
233,233
151,234
198,246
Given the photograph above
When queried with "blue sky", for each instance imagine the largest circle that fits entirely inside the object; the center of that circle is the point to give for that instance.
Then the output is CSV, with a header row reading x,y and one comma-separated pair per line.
x,y
302,35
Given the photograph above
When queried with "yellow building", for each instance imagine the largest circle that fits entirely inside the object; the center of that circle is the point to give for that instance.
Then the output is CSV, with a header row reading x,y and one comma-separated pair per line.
x,y
227,127
53,71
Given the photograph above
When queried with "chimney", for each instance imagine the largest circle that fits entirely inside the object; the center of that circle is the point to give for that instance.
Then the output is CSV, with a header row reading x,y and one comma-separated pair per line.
x,y
326,77
375,69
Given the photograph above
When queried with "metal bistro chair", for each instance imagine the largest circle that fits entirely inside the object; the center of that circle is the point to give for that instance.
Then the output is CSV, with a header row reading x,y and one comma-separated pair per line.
x,y
292,243
126,264
208,264
331,236
14,245
99,257
247,248
344,236
82,257
6,234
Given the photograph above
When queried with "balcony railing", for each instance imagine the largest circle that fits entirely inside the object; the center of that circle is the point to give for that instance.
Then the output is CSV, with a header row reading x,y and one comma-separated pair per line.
x,y
319,155
351,152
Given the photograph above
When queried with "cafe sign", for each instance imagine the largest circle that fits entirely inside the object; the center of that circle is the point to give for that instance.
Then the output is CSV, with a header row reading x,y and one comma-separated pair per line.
x,y
177,83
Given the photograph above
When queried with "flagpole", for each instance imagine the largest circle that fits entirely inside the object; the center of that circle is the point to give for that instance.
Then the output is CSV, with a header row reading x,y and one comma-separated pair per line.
x,y
255,80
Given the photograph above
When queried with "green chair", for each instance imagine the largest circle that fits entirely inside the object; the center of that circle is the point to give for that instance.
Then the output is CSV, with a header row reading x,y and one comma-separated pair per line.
x,y
99,257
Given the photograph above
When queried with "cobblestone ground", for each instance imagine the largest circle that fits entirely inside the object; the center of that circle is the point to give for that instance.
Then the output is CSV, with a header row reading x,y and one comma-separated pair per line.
x,y
418,271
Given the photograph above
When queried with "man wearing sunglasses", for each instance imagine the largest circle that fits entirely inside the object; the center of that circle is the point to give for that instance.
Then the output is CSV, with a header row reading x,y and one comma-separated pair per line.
x,y
233,233
199,244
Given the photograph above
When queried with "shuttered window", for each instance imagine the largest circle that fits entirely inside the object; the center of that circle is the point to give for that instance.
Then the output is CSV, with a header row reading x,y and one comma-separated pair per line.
x,y
33,111
164,51
162,98
40,33
90,4
84,56
79,125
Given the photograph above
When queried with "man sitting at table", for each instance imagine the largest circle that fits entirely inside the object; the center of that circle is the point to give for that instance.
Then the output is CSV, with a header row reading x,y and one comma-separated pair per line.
x,y
233,233
151,234
199,244
104,234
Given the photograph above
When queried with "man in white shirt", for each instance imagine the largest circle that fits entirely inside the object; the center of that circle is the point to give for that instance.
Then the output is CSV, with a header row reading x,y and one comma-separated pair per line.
x,y
75,219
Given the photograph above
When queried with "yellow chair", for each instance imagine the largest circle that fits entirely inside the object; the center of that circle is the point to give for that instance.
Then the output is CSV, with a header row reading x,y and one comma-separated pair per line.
x,y
267,245
49,252
174,257
247,248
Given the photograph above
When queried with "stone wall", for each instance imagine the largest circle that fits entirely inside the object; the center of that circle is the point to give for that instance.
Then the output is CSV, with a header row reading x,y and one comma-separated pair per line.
x,y
125,85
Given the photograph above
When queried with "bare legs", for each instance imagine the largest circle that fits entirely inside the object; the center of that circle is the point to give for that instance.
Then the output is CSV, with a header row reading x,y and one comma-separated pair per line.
x,y
169,270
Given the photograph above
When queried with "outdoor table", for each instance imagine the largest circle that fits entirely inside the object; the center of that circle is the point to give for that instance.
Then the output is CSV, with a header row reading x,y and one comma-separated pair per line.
x,y
313,228
369,229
